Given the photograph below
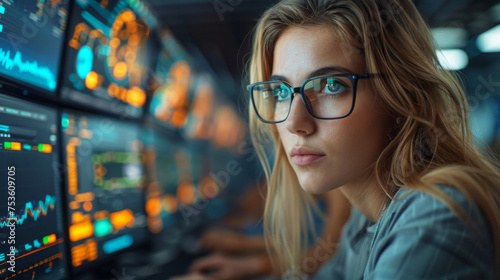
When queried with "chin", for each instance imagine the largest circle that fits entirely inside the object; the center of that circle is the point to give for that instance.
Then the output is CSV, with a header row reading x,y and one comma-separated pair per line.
x,y
314,189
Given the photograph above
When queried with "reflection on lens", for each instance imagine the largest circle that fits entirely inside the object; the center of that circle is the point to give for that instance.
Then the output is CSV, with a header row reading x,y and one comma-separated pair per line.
x,y
272,101
329,97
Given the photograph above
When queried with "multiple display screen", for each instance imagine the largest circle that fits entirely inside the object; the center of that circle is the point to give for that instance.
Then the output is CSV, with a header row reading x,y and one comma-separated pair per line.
x,y
103,49
81,186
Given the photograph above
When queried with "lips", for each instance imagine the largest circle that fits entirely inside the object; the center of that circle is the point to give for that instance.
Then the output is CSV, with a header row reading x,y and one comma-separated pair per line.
x,y
304,156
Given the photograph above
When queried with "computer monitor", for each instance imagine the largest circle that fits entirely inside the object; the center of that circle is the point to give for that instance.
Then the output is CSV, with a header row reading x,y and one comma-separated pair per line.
x,y
105,180
31,219
31,37
200,122
163,174
106,62
170,85
207,180
173,176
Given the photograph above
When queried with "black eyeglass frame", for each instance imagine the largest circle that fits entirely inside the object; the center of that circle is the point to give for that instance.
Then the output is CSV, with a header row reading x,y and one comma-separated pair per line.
x,y
300,90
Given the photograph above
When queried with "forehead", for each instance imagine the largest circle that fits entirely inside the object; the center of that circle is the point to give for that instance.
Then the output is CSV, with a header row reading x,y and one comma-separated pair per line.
x,y
301,50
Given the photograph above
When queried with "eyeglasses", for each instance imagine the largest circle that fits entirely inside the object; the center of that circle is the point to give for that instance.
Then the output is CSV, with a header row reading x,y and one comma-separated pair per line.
x,y
326,97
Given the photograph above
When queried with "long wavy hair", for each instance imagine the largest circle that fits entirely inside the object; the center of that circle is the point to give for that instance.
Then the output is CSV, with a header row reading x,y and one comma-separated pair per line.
x,y
431,145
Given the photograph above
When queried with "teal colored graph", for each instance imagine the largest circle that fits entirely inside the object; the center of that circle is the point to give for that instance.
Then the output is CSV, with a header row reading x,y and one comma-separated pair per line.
x,y
30,67
42,208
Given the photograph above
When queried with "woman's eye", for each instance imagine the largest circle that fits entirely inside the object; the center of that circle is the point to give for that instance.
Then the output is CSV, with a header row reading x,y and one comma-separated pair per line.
x,y
281,93
333,86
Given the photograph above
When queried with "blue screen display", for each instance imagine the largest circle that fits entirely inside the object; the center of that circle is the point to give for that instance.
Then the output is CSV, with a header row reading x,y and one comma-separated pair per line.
x,y
31,37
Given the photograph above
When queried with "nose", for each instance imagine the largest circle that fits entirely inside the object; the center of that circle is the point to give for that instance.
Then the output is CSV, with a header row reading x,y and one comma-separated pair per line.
x,y
299,120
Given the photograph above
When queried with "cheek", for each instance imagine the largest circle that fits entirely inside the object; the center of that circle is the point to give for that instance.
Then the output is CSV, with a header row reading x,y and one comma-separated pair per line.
x,y
283,134
360,137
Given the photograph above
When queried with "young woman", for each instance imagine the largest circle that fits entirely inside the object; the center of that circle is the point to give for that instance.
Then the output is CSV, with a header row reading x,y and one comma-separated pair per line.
x,y
350,95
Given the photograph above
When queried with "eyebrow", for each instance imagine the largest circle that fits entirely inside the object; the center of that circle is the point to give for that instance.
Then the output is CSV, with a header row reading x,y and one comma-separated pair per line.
x,y
315,73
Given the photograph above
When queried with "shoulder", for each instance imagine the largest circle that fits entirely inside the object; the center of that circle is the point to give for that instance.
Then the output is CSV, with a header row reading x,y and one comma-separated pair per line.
x,y
413,206
420,237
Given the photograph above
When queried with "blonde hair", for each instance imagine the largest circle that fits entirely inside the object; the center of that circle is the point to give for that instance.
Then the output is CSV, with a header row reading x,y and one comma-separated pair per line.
x,y
432,144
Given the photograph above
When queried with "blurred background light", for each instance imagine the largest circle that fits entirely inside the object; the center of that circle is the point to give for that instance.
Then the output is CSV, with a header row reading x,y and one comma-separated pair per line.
x,y
453,59
449,37
489,41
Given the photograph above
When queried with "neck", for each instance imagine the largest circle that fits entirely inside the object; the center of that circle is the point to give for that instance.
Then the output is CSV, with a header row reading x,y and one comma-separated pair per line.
x,y
367,196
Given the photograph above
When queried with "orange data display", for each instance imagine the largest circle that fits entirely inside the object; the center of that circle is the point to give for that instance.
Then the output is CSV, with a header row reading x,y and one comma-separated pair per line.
x,y
170,85
229,129
170,101
200,121
107,58
81,231
163,173
105,182
84,252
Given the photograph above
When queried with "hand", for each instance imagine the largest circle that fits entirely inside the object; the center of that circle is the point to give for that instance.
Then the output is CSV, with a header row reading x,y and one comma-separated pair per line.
x,y
231,268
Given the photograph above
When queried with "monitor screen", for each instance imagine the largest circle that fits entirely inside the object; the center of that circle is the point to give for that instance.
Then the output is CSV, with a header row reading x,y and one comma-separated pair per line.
x,y
163,174
31,219
229,130
199,125
173,176
104,186
31,37
170,85
106,63
207,179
